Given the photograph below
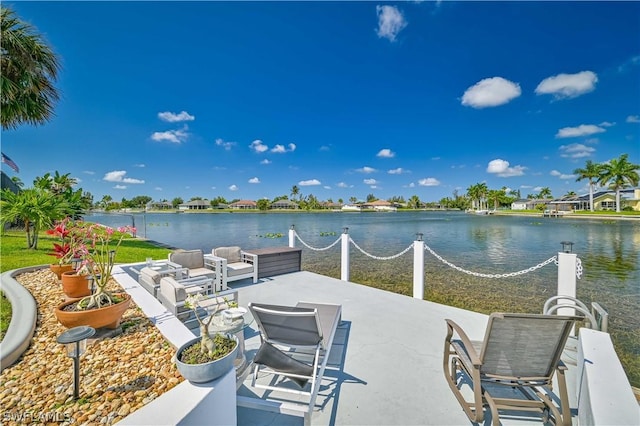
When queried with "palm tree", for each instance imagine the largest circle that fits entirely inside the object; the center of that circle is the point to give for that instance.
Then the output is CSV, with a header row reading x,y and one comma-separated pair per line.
x,y
545,193
619,173
34,208
591,172
295,191
414,202
62,183
28,69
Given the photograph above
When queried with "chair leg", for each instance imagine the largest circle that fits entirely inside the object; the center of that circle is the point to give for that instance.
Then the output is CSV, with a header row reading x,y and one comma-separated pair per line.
x,y
495,417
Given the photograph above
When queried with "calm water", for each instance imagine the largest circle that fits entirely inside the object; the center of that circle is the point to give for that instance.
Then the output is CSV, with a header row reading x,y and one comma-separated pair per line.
x,y
609,251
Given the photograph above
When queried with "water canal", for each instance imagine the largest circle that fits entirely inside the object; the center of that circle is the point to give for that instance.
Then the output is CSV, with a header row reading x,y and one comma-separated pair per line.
x,y
608,249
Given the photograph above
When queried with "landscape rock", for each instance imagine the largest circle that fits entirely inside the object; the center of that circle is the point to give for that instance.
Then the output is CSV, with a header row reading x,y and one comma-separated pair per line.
x,y
38,388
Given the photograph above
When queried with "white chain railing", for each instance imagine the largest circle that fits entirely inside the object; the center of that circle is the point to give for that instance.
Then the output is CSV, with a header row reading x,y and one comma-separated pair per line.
x,y
479,274
314,248
553,259
379,257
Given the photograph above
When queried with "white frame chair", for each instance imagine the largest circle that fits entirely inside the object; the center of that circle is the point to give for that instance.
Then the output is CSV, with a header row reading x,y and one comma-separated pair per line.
x,y
295,339
222,266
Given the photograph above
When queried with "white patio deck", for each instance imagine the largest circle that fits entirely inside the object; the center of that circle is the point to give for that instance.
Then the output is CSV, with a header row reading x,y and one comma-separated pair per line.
x,y
388,352
387,359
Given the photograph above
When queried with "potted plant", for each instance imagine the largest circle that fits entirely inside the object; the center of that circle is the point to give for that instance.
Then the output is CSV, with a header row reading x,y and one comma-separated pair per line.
x,y
206,358
63,251
98,250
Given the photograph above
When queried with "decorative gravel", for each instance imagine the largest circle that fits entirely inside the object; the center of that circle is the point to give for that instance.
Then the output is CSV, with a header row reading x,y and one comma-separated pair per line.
x,y
119,373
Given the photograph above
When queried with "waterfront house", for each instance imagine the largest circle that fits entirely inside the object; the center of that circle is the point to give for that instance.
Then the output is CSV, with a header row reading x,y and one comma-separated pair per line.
x,y
381,206
243,205
520,204
284,204
195,205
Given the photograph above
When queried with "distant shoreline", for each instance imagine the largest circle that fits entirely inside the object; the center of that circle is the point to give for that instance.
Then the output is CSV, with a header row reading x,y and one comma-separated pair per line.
x,y
574,216
611,216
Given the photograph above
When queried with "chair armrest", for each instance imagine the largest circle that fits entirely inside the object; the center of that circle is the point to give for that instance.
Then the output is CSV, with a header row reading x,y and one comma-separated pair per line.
x,y
249,257
175,265
453,329
210,261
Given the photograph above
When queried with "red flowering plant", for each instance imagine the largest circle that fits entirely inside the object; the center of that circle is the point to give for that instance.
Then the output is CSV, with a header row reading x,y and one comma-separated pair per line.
x,y
98,251
69,245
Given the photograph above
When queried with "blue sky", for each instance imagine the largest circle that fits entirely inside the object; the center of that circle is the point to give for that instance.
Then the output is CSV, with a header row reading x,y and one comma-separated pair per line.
x,y
244,100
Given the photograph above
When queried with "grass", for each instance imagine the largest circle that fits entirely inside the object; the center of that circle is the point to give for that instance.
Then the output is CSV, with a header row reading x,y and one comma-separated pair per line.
x,y
5,315
14,253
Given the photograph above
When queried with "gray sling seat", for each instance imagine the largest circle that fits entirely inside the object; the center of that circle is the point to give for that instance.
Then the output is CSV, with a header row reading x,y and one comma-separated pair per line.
x,y
295,346
519,352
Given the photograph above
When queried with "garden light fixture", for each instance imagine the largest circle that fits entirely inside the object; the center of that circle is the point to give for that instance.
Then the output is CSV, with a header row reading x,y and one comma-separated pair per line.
x,y
75,340
566,246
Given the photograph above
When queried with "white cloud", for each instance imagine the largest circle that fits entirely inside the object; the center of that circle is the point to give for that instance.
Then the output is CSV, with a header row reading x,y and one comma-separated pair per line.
x,y
281,149
89,172
174,118
174,136
386,153
326,187
435,158
412,185
561,175
633,119
366,169
120,187
390,22
576,150
324,148
158,188
397,171
233,188
142,166
606,124
566,86
501,168
491,92
342,185
581,130
119,176
429,182
370,181
310,182
258,146
226,145
630,63
254,180
265,161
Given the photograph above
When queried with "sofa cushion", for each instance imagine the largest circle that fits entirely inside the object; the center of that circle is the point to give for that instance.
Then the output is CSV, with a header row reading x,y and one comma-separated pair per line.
x,y
175,292
232,254
239,268
188,258
153,275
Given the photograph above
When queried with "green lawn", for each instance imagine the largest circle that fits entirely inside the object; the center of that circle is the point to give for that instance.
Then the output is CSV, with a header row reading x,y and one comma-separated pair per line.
x,y
14,255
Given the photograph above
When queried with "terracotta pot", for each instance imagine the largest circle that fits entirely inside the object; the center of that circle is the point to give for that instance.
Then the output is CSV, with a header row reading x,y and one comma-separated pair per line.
x,y
74,285
203,373
108,317
59,269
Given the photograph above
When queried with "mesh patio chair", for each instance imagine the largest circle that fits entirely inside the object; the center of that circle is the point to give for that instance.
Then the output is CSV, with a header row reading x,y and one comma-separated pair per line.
x,y
520,353
294,351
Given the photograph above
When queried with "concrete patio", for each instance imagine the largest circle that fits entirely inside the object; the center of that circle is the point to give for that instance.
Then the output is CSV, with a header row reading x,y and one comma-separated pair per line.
x,y
386,363
388,353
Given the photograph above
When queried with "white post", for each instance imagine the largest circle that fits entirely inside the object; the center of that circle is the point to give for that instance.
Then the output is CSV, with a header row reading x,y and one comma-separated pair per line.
x,y
344,265
418,267
567,262
292,236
